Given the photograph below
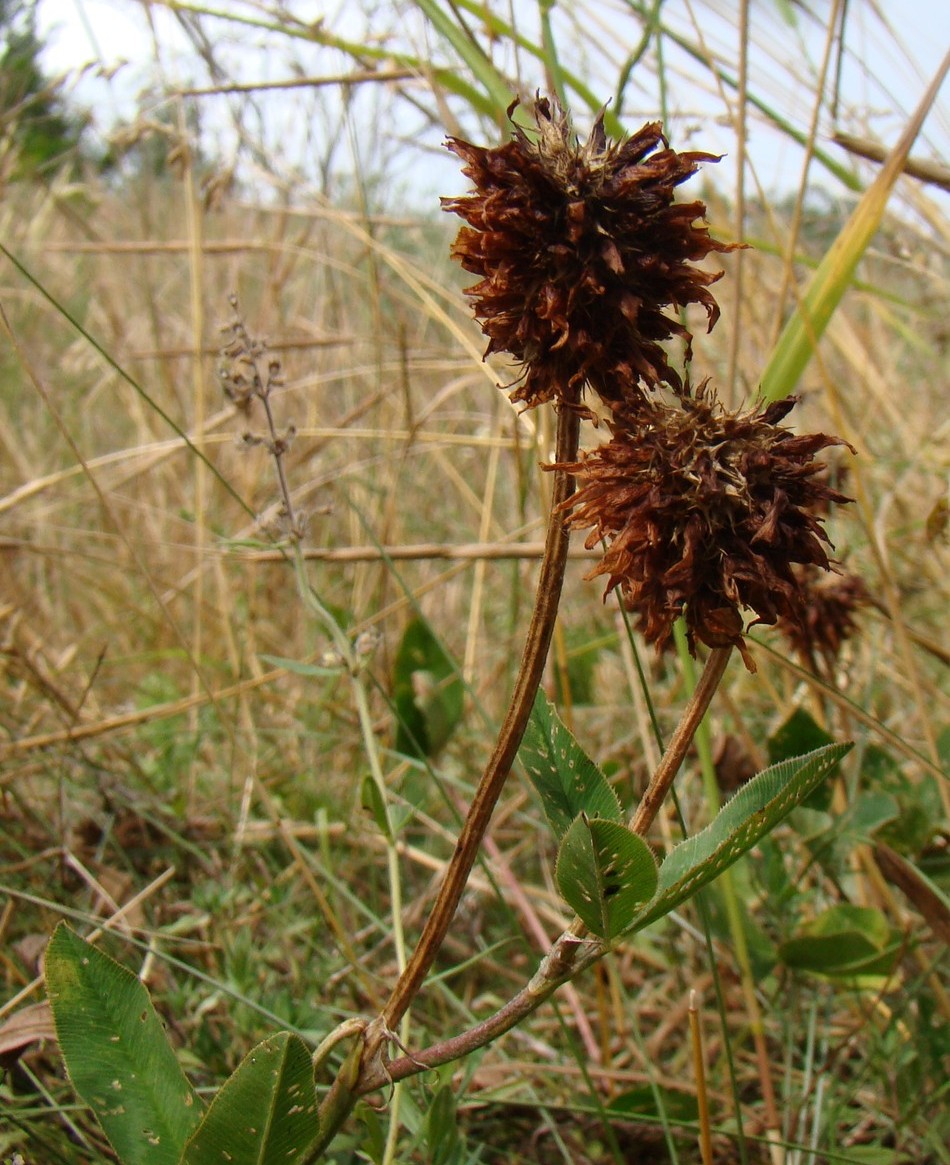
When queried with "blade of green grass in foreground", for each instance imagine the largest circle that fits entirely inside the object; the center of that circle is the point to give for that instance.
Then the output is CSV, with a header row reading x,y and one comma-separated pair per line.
x,y
804,329
494,84
500,90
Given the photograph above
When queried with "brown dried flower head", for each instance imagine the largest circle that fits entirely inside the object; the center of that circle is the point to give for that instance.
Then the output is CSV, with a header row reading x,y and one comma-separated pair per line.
x,y
704,512
580,249
826,620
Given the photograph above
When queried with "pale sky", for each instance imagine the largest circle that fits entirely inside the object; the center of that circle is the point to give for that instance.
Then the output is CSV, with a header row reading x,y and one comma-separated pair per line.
x,y
894,46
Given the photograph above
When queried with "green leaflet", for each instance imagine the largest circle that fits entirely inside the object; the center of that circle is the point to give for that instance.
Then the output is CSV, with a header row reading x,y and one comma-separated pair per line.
x,y
753,811
845,942
117,1054
265,1114
428,693
566,779
606,874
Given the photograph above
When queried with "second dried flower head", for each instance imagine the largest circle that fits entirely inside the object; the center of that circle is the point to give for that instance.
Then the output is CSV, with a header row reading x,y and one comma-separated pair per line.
x,y
704,512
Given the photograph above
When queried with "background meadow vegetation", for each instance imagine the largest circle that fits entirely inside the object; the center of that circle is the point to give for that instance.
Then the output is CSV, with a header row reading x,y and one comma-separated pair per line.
x,y
169,781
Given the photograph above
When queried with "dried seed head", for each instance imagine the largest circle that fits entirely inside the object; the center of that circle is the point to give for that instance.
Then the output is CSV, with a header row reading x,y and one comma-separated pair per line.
x,y
704,512
826,619
580,250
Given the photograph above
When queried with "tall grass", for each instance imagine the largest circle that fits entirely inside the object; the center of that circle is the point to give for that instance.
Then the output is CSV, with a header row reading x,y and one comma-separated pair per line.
x,y
164,778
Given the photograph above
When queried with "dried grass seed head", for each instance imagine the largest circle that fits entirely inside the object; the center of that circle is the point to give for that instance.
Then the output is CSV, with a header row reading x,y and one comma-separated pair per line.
x,y
704,512
580,251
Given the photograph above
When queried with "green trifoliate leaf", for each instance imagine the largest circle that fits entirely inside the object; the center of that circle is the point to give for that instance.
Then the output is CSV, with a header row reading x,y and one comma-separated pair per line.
x,y
606,874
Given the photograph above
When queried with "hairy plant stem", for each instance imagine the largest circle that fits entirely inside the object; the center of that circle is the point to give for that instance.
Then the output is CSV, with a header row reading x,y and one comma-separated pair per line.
x,y
681,739
550,580
345,1091
573,951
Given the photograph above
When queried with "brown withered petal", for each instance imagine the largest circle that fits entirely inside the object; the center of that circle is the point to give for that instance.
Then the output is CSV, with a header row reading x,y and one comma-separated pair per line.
x,y
580,249
826,619
704,513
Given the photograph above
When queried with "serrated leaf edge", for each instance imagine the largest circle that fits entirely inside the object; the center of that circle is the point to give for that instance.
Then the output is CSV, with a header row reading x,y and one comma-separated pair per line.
x,y
694,876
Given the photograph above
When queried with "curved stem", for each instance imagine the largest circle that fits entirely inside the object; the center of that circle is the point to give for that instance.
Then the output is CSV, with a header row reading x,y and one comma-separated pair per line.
x,y
570,954
347,1087
681,739
548,596
573,951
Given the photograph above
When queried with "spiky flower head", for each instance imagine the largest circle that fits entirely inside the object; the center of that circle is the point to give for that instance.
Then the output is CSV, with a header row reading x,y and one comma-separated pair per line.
x,y
580,251
826,620
704,512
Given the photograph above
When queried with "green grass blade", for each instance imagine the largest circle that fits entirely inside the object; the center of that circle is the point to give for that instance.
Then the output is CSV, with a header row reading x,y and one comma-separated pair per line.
x,y
496,27
552,62
701,55
317,33
150,400
497,87
835,273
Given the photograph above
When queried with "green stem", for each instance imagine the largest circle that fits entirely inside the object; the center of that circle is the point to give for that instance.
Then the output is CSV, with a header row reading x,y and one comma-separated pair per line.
x,y
344,1097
